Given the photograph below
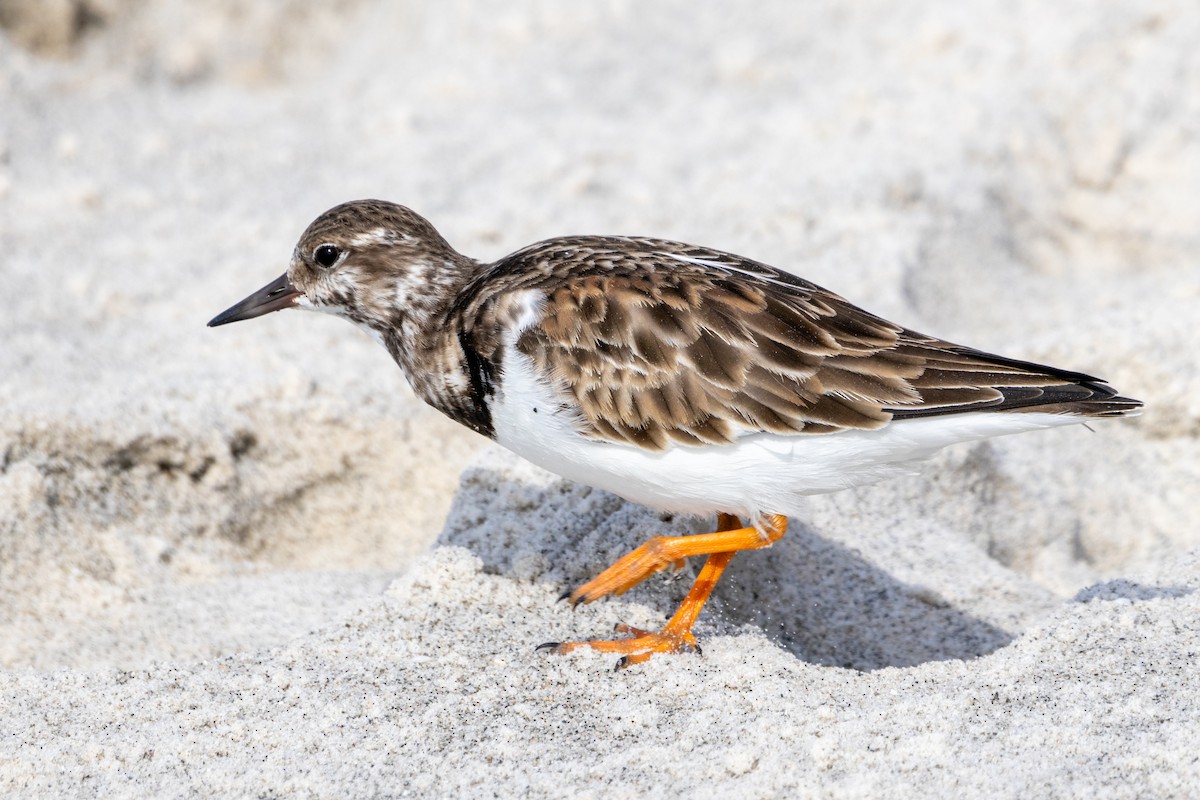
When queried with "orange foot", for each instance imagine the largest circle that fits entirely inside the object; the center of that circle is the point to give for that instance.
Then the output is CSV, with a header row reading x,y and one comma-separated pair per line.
x,y
638,648
657,554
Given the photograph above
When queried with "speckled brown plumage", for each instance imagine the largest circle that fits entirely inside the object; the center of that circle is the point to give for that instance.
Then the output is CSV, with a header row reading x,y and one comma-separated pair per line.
x,y
659,343
653,343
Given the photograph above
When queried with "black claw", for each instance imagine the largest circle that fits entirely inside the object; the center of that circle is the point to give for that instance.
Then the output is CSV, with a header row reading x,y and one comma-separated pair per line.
x,y
564,596
699,652
546,646
621,662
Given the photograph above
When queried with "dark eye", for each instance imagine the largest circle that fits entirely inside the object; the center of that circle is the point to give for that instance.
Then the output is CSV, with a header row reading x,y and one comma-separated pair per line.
x,y
326,255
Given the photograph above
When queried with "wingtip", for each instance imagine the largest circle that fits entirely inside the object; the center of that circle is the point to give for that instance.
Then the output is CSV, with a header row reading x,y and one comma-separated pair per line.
x,y
1118,406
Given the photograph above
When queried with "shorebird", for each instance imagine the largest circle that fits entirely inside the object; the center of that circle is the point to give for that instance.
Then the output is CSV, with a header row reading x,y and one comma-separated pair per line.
x,y
680,377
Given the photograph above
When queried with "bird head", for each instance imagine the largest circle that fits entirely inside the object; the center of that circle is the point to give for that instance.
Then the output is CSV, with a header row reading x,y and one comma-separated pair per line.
x,y
370,261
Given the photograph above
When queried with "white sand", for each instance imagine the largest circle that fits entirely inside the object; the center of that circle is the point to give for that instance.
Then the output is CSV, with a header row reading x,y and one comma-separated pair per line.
x,y
220,569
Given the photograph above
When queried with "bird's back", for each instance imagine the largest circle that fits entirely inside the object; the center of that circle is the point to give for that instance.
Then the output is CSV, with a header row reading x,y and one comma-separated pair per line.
x,y
660,344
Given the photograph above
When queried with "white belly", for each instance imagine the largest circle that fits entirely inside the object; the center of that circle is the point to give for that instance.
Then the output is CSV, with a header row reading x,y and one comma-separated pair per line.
x,y
760,473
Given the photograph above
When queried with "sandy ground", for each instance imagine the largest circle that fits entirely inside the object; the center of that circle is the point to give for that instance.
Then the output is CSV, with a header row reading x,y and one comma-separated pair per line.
x,y
246,562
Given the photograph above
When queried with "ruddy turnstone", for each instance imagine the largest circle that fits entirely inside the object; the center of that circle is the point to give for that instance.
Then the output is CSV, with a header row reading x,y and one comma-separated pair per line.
x,y
687,379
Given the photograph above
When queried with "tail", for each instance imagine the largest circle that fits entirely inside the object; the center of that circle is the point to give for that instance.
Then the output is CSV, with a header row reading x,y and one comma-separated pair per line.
x,y
1097,399
1028,387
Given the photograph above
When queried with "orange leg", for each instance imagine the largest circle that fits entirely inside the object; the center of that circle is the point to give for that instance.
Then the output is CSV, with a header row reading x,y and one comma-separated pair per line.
x,y
657,554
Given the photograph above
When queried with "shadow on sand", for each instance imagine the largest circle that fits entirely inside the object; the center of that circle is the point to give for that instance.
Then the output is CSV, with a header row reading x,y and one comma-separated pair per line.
x,y
816,598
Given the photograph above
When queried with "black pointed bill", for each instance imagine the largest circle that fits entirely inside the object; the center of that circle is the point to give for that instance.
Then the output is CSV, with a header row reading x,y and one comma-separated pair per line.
x,y
276,295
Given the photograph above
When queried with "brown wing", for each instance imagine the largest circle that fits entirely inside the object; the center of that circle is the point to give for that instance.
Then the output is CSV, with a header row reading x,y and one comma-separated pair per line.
x,y
661,343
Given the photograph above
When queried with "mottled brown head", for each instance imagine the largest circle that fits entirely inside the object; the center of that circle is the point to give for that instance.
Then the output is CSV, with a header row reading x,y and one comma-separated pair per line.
x,y
376,263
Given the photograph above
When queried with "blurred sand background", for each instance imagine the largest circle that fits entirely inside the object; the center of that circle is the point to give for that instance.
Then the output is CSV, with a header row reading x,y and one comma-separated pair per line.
x,y
246,562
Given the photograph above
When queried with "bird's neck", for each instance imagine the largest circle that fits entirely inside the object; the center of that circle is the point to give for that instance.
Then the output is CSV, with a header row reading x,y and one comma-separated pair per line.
x,y
423,340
